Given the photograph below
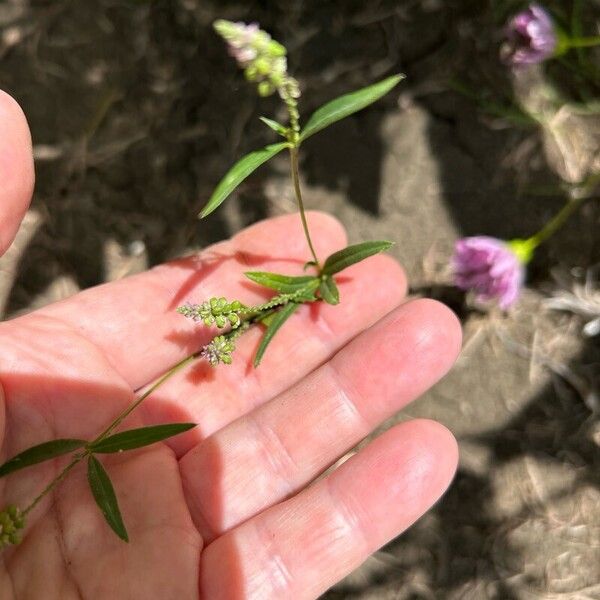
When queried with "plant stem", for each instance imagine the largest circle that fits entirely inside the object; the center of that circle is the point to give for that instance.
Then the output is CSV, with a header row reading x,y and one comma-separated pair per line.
x,y
292,107
77,458
55,482
174,369
556,222
80,456
296,179
294,139
254,316
584,42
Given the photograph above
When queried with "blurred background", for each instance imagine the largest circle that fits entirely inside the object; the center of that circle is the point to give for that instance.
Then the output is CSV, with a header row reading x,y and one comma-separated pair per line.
x,y
137,111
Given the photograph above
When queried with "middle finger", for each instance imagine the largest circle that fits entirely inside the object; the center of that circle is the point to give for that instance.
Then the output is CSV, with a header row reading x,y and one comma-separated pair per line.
x,y
278,448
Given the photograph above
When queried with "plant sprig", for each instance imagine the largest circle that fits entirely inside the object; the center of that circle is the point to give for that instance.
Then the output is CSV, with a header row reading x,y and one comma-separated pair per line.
x,y
98,479
264,62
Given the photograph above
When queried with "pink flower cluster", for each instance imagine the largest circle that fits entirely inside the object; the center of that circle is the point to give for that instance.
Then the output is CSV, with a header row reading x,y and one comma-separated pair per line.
x,y
531,37
490,268
242,45
262,58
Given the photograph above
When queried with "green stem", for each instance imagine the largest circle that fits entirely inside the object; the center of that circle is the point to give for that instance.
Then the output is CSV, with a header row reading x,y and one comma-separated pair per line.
x,y
80,456
296,179
555,223
292,107
54,482
583,42
77,458
174,369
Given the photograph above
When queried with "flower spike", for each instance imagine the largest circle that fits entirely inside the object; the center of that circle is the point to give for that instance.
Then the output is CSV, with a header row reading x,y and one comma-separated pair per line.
x,y
12,522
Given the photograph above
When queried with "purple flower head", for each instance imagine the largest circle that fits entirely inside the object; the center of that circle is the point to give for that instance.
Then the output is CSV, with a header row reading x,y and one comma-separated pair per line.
x,y
490,268
531,37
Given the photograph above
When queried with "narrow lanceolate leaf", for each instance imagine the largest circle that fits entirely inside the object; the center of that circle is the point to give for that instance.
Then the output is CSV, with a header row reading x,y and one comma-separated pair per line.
x,y
344,106
338,261
138,438
275,126
40,453
104,494
275,323
329,290
284,284
238,173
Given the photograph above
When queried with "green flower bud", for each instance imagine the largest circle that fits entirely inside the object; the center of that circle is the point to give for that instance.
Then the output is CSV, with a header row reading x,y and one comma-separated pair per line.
x,y
277,79
226,29
265,88
261,41
218,351
251,73
262,58
215,311
12,522
276,49
262,66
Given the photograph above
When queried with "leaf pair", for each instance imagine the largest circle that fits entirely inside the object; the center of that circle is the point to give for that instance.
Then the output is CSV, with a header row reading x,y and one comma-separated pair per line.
x,y
100,484
126,440
328,114
304,287
98,479
341,260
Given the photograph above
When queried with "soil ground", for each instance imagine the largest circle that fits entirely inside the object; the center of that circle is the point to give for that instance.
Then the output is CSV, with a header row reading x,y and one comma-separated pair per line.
x,y
136,111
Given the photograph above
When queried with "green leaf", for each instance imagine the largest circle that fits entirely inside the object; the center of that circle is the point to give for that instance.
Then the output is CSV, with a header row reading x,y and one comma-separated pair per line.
x,y
338,261
138,438
329,290
344,106
104,494
307,293
284,284
275,323
238,173
40,453
275,126
267,319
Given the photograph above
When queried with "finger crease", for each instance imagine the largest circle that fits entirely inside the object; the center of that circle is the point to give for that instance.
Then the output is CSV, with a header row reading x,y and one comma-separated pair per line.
x,y
346,395
278,455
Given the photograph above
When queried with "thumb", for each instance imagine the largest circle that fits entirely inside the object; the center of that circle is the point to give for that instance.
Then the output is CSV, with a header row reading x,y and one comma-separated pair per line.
x,y
16,169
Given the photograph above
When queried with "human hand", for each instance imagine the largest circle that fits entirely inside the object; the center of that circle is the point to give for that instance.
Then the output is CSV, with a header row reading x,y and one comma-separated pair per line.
x,y
226,510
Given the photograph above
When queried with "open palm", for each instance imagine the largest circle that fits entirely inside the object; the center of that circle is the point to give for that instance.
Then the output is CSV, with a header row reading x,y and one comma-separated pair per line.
x,y
234,508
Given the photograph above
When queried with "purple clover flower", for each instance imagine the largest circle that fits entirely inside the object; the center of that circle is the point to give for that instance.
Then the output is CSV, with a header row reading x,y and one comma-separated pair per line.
x,y
531,37
490,268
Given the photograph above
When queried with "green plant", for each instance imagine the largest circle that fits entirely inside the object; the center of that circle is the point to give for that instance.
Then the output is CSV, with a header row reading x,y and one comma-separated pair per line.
x,y
265,64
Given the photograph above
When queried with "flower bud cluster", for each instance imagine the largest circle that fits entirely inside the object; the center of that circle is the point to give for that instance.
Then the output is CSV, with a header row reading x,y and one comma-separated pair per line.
x,y
216,311
11,522
262,58
218,350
